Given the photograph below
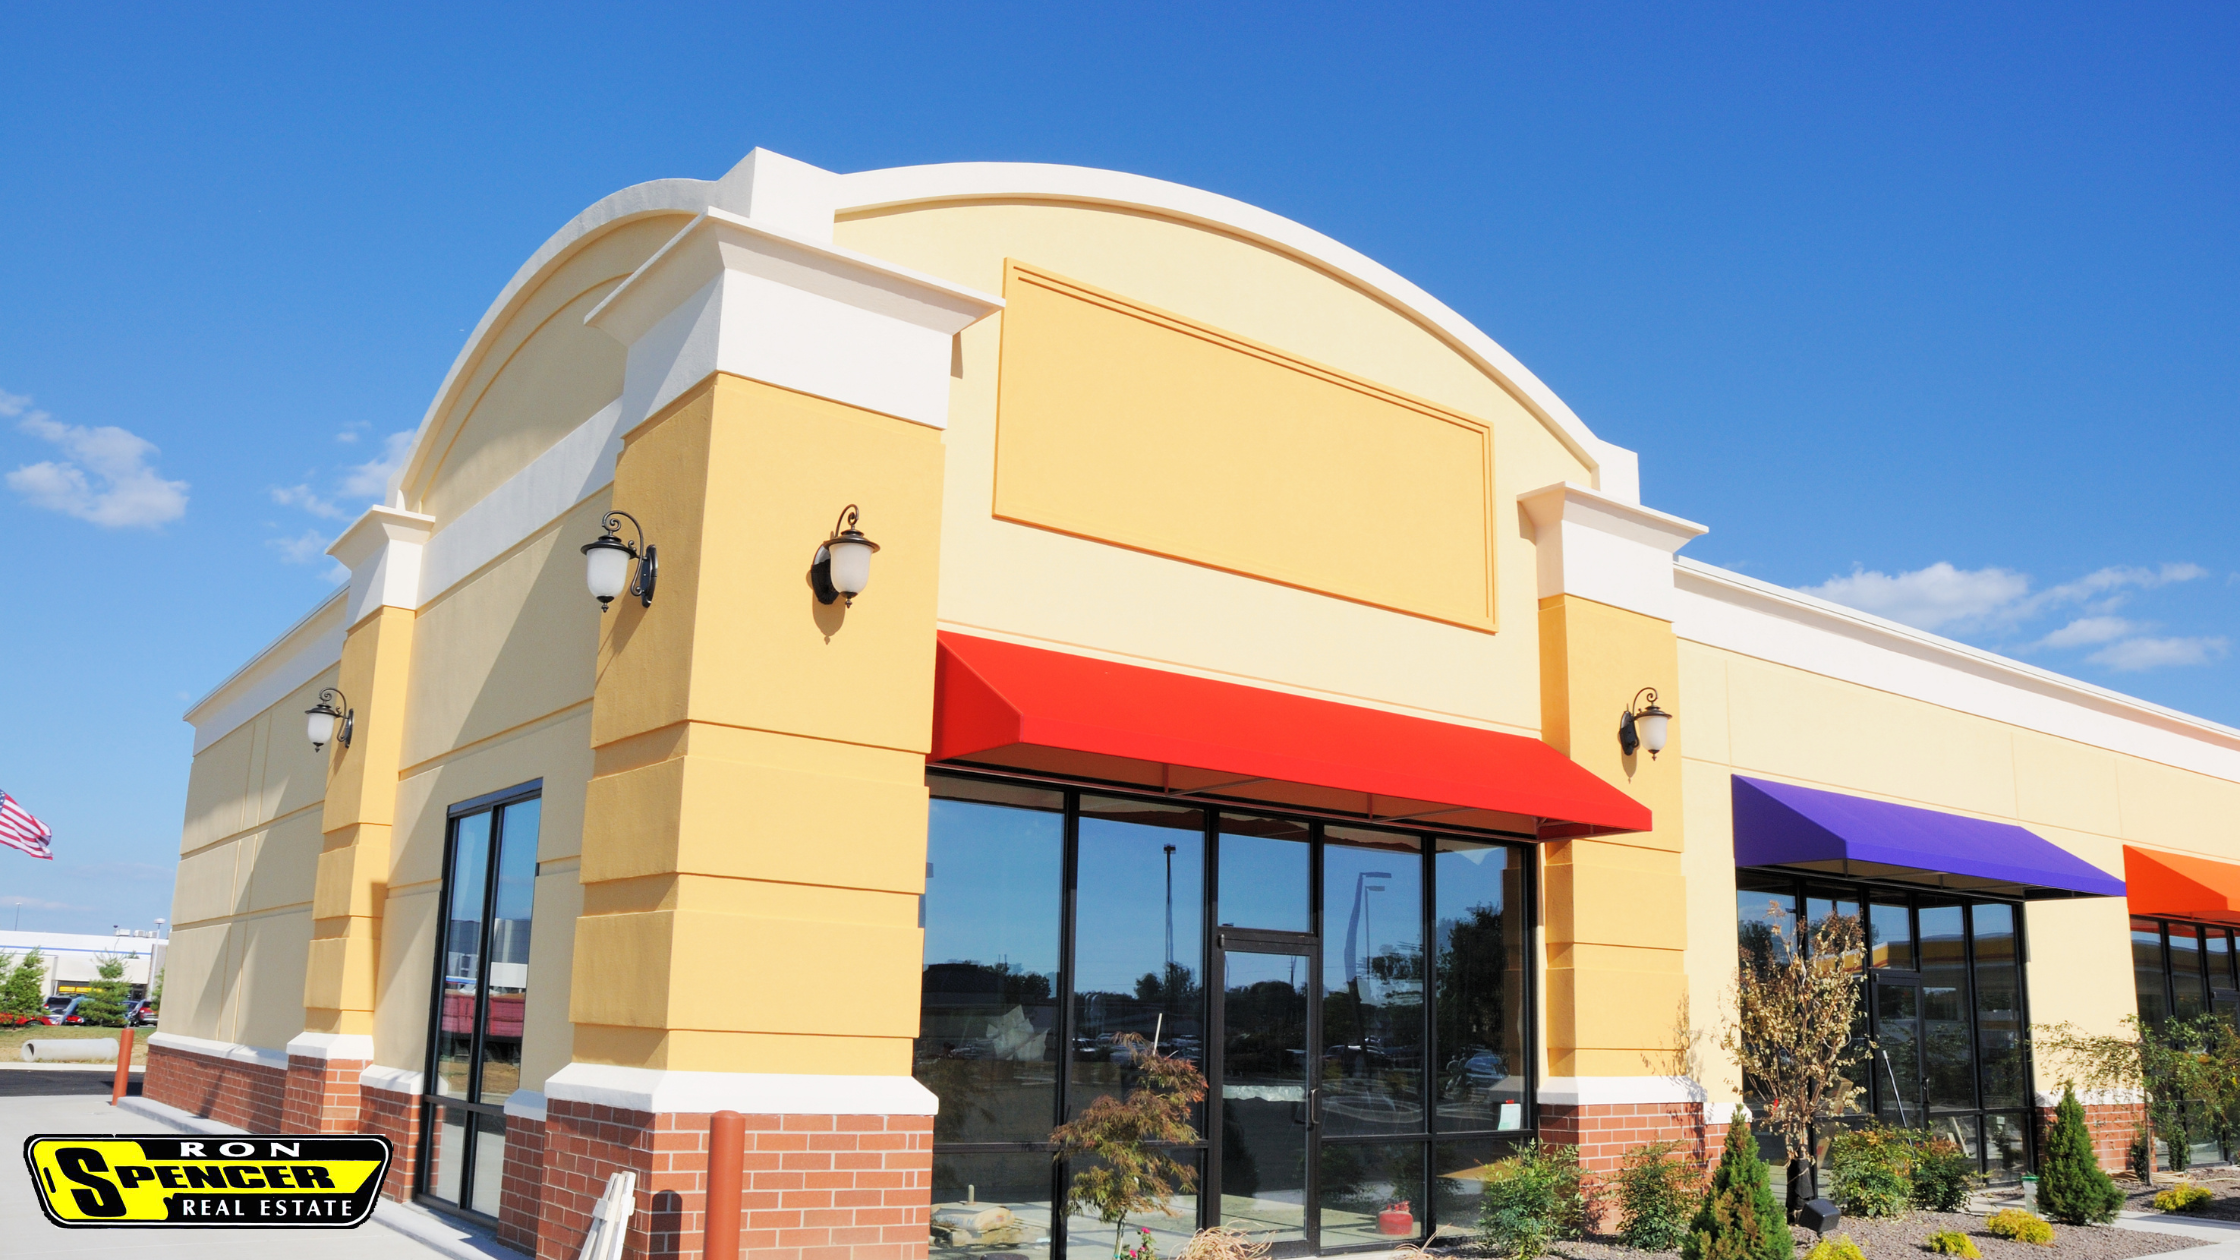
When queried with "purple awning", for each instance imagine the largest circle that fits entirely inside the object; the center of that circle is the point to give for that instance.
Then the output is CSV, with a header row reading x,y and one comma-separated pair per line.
x,y
1780,824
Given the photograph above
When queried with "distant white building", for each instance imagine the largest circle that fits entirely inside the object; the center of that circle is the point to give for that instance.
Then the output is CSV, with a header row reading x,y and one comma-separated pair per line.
x,y
74,960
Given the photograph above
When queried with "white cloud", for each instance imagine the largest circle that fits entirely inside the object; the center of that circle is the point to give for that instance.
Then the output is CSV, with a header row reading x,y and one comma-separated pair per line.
x,y
1939,595
2136,654
303,497
105,478
2087,630
304,548
33,903
370,480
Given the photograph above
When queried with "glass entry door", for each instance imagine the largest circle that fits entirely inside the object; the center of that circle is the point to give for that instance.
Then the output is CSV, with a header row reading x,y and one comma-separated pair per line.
x,y
1900,1086
1265,1083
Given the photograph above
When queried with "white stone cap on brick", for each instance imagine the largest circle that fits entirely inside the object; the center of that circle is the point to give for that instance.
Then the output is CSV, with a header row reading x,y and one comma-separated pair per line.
x,y
2096,1098
1592,1091
332,1046
755,1093
228,1050
391,1080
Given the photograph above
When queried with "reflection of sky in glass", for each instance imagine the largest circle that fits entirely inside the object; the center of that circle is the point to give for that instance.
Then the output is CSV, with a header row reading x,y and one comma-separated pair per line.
x,y
993,885
1263,882
1372,905
1469,877
1123,902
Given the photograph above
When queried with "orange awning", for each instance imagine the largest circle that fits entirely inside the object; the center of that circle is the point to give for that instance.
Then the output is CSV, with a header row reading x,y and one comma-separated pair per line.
x,y
2181,886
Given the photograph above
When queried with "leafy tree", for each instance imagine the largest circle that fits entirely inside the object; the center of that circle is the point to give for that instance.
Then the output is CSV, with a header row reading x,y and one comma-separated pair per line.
x,y
24,992
1796,1013
1127,1144
2189,1070
104,1007
2071,1187
1739,1219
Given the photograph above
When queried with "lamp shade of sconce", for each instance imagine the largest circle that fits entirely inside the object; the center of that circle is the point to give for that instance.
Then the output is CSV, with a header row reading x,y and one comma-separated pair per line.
x,y
331,717
842,566
1644,725
607,563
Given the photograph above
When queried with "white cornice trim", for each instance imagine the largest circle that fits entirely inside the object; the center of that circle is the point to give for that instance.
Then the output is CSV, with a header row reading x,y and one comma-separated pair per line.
x,y
755,1093
1617,470
344,1046
1590,1091
570,471
306,650
1727,610
391,1080
233,1052
1588,544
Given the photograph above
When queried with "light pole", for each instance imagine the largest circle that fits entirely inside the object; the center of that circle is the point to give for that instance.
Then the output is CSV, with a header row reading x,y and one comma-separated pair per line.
x,y
1166,978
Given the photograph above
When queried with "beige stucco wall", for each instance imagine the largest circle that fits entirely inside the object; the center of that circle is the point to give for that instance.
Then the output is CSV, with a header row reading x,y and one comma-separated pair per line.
x,y
1753,717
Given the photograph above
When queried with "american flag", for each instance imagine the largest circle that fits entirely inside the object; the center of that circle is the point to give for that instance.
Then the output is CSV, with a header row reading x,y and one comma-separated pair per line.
x,y
19,830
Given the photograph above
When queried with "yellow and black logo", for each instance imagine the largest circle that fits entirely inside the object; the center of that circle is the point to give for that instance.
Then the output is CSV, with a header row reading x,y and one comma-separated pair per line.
x,y
90,1181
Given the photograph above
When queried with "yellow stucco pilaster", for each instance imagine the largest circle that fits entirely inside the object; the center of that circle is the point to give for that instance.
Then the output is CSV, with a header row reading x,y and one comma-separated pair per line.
x,y
360,810
1615,908
754,834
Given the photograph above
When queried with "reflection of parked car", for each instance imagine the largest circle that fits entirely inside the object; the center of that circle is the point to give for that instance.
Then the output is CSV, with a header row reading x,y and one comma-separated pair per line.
x,y
140,1014
1474,1070
63,1008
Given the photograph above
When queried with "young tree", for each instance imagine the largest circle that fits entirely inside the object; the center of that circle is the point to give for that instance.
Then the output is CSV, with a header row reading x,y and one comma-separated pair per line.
x,y
2188,1070
1739,1219
2072,1188
1796,1008
105,1006
1127,1142
24,992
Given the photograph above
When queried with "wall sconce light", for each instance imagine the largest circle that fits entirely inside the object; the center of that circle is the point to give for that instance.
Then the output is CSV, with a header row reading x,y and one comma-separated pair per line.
x,y
320,719
606,563
842,567
1643,726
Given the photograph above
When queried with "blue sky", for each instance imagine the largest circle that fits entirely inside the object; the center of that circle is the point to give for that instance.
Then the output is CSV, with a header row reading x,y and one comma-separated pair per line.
x,y
1937,304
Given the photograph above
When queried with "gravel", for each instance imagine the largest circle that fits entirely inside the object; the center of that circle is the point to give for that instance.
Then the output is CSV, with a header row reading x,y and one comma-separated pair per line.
x,y
1901,1239
2222,1181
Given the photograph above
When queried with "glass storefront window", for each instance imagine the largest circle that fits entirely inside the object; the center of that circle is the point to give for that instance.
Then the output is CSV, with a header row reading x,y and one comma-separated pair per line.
x,y
1458,1182
2147,971
1139,939
1947,1041
1765,920
1999,1027
985,1203
1890,935
2193,973
986,1034
1481,963
1372,976
1371,1194
1264,873
2186,999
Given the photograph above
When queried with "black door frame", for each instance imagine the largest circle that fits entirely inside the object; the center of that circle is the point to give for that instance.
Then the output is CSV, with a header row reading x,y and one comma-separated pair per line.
x,y
1307,945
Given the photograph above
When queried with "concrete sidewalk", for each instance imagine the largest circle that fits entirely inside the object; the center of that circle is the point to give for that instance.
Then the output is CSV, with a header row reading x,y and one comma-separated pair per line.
x,y
397,1231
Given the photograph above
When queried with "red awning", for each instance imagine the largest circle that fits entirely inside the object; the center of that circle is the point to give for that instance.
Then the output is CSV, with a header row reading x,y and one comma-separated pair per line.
x,y
1000,704
2178,886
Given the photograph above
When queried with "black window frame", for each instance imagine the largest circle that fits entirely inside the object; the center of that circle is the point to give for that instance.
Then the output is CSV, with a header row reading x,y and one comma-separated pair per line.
x,y
2209,986
1431,1137
492,803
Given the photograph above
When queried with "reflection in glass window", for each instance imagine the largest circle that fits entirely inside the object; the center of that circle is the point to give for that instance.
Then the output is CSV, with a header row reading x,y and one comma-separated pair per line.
x,y
1139,940
1371,1194
989,1013
1999,1005
1479,961
1947,1046
2146,970
984,1204
2186,997
462,953
1890,935
516,895
1765,921
1372,982
1263,873
1458,1181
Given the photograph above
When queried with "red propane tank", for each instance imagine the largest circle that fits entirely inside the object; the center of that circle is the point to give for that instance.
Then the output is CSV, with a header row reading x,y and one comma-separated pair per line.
x,y
1397,1220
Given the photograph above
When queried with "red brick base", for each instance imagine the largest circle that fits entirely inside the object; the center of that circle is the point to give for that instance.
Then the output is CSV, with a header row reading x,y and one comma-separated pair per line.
x,y
396,1117
521,1190
231,1091
321,1095
2113,1125
858,1187
1605,1132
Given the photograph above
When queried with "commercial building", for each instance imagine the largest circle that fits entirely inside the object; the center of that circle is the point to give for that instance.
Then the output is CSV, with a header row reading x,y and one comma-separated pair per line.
x,y
74,958
1242,666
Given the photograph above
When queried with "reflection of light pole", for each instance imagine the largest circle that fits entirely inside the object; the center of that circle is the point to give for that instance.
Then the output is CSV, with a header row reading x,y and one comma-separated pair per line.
x,y
1361,890
1167,978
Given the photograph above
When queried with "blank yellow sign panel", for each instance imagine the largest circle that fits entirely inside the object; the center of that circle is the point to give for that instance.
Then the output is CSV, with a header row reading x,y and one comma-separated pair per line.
x,y
1133,426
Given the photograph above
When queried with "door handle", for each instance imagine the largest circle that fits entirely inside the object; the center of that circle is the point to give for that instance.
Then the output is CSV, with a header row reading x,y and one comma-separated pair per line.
x,y
1314,1107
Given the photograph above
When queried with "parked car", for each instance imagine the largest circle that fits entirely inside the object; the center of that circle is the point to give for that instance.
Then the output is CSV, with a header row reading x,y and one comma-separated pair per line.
x,y
62,1008
140,1014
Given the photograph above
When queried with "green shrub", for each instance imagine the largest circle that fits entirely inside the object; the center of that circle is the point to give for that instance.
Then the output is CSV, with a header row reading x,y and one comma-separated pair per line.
x,y
2071,1187
1943,1175
1870,1166
1533,1198
1740,1219
1951,1242
2019,1225
2183,1197
1656,1197
2140,1157
1839,1247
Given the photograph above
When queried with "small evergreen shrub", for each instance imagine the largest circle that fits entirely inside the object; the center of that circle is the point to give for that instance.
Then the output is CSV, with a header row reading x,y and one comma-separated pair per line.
x,y
2021,1226
1839,1247
1870,1169
1740,1219
2071,1187
1656,1197
1533,1198
2140,1157
2183,1197
1943,1175
1951,1242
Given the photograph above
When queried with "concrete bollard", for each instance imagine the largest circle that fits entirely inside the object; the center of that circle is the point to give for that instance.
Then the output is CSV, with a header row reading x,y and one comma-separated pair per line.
x,y
71,1050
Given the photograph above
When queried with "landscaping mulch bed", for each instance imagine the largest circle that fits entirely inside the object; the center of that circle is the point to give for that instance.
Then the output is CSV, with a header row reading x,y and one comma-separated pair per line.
x,y
2222,1180
1901,1239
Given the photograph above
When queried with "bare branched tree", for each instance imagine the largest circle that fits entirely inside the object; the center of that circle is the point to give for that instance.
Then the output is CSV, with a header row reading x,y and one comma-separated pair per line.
x,y
1796,1010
